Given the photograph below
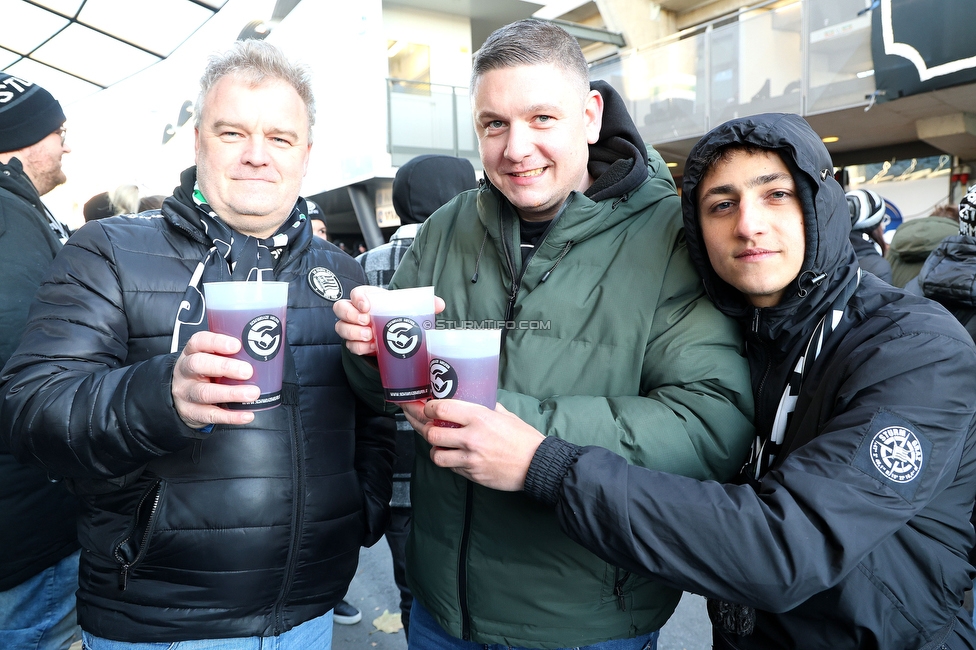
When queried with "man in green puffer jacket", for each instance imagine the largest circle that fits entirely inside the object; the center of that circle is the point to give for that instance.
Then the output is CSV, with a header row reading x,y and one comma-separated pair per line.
x,y
574,245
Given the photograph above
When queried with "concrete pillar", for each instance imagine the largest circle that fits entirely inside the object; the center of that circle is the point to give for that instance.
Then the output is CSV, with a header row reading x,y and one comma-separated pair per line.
x,y
954,133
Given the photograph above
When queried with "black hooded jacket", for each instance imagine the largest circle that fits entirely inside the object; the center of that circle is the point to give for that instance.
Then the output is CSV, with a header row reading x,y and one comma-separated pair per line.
x,y
858,535
949,277
242,531
37,515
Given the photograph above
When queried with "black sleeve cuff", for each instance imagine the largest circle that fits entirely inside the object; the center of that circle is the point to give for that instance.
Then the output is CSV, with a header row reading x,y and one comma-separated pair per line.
x,y
552,460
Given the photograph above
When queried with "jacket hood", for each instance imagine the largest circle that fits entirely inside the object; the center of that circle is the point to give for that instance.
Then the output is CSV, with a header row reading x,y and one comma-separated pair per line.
x,y
618,160
829,264
425,183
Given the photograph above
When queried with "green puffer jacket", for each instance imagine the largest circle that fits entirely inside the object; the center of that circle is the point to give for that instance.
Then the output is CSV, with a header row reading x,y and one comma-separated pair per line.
x,y
617,347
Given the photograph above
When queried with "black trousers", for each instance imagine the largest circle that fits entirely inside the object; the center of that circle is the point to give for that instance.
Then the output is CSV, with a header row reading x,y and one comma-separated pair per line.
x,y
396,537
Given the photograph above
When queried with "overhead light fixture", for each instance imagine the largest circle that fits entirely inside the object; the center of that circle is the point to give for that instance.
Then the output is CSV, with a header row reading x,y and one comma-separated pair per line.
x,y
672,164
865,74
830,139
257,29
186,112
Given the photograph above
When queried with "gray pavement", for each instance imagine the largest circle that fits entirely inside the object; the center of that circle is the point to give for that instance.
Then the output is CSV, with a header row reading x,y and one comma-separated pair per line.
x,y
373,592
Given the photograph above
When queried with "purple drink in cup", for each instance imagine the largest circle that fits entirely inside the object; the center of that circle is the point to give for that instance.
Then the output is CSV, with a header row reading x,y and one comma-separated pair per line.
x,y
255,314
401,320
464,365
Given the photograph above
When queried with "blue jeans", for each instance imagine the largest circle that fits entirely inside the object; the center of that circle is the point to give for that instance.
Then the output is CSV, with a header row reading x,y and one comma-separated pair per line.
x,y
426,634
315,634
39,613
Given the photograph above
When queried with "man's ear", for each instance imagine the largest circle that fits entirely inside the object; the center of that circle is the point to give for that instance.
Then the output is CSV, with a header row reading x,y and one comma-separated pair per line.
x,y
593,116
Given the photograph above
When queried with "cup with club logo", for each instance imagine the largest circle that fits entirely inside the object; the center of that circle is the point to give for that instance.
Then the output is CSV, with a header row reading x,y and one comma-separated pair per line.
x,y
254,313
401,320
464,364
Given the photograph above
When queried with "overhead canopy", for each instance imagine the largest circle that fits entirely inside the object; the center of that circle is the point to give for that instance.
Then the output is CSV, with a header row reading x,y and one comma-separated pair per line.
x,y
77,47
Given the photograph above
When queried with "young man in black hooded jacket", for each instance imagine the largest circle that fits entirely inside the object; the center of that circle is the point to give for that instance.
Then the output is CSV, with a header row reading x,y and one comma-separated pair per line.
x,y
849,526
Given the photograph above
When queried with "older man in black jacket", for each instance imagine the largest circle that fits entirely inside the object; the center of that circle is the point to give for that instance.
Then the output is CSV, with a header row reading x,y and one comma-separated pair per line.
x,y
200,522
849,527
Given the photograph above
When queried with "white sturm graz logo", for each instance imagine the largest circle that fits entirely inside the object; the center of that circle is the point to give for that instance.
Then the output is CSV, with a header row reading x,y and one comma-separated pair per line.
x,y
402,337
325,283
262,337
443,379
897,453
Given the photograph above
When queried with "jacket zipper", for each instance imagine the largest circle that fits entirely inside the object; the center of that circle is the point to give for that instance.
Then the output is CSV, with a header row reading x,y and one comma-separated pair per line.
x,y
618,587
463,564
154,492
756,314
297,523
559,259
509,258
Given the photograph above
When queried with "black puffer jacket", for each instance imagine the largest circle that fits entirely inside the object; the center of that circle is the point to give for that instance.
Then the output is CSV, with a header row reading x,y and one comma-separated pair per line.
x,y
37,516
858,535
242,531
949,277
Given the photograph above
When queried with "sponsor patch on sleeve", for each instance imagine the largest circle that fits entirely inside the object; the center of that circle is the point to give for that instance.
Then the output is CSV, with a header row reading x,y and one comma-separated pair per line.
x,y
894,452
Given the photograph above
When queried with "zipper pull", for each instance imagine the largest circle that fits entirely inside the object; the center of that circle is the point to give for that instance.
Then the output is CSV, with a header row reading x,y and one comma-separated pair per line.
x,y
559,259
755,321
124,577
618,591
512,296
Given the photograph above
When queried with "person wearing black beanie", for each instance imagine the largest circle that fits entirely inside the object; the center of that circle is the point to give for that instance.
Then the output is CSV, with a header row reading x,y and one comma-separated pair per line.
x,y
39,565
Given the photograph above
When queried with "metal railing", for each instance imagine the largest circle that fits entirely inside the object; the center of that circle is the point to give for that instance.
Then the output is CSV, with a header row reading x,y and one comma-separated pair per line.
x,y
804,57
427,118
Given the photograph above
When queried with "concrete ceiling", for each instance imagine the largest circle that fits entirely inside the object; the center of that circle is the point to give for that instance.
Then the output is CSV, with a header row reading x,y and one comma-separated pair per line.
x,y
485,17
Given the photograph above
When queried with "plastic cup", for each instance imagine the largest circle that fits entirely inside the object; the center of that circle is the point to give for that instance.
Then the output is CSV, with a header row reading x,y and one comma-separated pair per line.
x,y
254,313
401,320
464,365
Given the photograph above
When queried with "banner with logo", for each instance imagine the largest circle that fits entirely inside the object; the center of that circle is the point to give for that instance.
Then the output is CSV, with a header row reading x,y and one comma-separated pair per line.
x,y
922,45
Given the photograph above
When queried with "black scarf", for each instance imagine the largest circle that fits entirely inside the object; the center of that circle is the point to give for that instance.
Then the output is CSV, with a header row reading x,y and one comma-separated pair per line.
x,y
231,256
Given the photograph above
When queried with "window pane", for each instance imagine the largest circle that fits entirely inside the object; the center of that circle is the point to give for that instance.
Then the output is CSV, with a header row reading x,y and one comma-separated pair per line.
x,y
33,25
93,56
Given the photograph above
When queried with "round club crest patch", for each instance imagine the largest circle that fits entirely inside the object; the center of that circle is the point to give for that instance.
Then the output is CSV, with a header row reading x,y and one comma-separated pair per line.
x,y
443,379
325,283
402,337
897,453
262,337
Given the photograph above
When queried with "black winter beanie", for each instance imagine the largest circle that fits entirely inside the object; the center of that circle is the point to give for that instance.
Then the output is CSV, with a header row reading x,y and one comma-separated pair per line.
x,y
28,113
425,183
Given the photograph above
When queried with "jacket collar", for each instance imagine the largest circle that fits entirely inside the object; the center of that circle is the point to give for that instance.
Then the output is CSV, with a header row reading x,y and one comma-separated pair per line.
x,y
406,231
15,180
